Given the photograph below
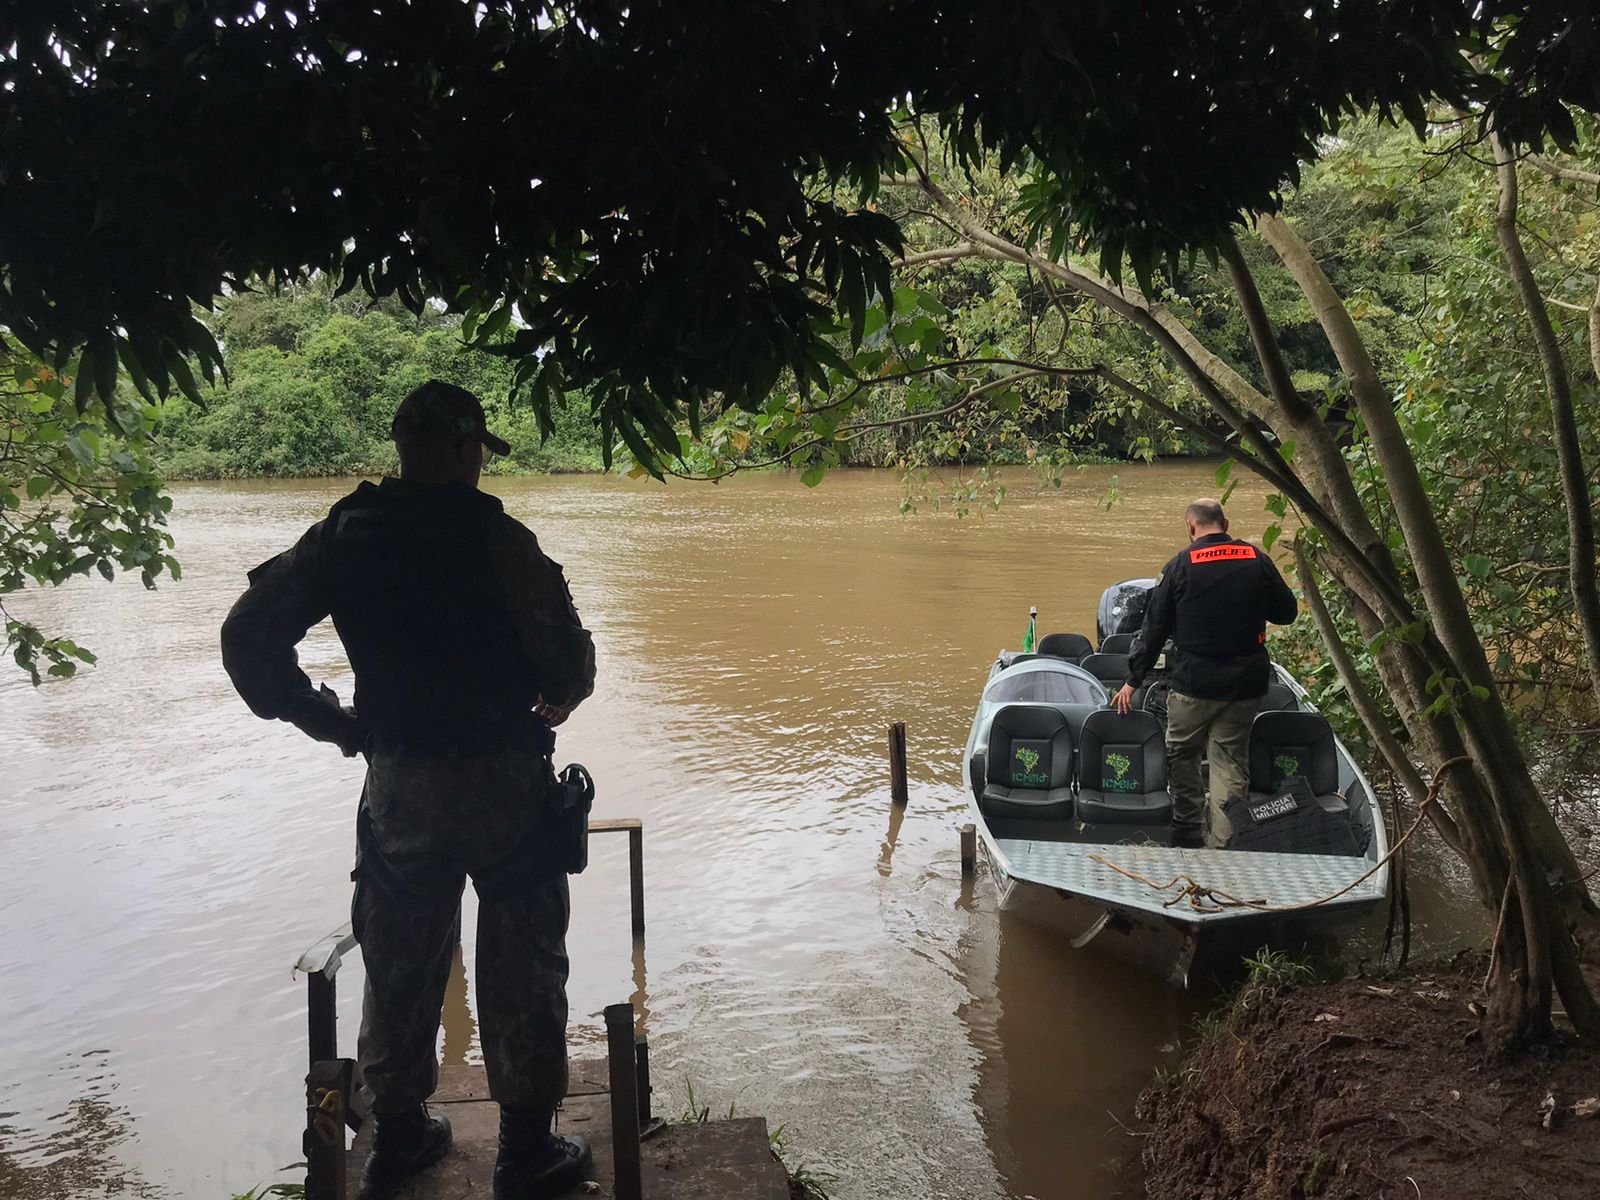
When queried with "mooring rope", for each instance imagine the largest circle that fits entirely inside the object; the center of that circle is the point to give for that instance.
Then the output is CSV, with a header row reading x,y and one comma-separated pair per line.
x,y
1205,899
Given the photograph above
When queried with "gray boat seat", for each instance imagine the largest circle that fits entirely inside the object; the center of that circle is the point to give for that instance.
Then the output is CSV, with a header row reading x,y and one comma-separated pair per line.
x,y
1122,770
1070,646
1028,765
1280,698
1109,669
1286,744
1117,643
1076,715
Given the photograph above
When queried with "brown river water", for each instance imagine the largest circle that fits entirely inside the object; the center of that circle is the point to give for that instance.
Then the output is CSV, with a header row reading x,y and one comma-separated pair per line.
x,y
812,956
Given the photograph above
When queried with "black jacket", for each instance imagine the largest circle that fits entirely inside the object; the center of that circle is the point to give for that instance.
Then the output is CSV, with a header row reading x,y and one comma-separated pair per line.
x,y
453,619
1214,601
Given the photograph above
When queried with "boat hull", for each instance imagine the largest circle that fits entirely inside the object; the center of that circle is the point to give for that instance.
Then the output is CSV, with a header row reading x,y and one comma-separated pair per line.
x,y
1176,949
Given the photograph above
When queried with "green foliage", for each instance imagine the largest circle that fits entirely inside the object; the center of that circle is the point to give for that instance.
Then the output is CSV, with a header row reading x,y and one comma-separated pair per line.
x,y
313,382
673,240
78,496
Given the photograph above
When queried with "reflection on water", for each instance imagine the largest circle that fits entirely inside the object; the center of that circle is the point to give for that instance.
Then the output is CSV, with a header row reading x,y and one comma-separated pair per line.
x,y
1063,1041
77,1151
812,955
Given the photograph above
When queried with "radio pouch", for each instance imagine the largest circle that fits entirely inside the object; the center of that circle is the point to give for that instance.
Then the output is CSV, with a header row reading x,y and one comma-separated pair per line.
x,y
574,797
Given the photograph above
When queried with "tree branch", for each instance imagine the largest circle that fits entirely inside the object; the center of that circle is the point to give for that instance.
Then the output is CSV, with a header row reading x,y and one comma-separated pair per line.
x,y
1558,385
945,255
1556,171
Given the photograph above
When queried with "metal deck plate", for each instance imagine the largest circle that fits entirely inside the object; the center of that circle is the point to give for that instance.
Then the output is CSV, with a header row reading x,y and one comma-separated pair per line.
x,y
1275,879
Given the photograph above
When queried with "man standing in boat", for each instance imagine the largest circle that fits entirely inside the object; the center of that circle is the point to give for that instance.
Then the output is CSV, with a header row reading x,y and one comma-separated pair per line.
x,y
467,651
1214,601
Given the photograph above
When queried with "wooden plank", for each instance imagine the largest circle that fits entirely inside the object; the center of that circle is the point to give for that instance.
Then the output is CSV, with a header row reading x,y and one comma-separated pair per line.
x,y
614,824
466,1083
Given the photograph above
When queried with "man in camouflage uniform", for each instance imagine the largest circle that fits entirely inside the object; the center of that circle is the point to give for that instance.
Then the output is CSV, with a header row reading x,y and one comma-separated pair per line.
x,y
466,650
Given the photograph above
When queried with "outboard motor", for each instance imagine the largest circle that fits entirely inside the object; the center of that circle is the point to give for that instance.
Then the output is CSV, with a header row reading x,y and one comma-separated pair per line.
x,y
1122,607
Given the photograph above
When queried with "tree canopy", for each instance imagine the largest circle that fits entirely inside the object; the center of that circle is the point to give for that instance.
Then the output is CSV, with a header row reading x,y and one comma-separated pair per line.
x,y
659,199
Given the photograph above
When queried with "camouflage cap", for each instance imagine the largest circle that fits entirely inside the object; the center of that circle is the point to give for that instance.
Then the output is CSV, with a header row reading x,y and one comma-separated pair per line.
x,y
438,409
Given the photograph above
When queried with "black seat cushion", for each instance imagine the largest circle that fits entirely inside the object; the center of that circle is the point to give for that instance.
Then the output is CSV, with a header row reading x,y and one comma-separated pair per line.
x,y
1070,646
1122,770
1117,643
1028,764
1280,698
1288,744
1110,669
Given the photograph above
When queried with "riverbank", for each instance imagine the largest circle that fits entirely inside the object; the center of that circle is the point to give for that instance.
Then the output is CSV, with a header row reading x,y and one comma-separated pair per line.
x,y
1367,1089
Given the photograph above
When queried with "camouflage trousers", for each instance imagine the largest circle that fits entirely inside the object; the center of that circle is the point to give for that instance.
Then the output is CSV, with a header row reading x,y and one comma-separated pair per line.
x,y
424,827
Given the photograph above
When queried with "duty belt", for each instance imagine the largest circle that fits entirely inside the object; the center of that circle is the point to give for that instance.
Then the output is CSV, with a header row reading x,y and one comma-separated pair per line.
x,y
533,736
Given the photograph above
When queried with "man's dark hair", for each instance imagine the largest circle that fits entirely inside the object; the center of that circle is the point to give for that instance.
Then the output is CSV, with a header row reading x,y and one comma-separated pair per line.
x,y
1207,514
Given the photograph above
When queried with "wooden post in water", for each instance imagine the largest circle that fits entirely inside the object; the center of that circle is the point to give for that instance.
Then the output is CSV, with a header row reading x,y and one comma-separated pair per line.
x,y
634,828
636,877
897,764
969,848
624,1102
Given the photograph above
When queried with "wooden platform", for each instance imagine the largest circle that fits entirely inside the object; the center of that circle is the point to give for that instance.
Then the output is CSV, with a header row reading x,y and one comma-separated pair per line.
x,y
718,1160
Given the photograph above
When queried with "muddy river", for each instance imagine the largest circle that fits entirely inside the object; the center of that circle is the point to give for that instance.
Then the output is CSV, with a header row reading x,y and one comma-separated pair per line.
x,y
811,956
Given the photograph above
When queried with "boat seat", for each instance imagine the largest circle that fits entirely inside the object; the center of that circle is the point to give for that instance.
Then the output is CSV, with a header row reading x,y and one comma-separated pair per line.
x,y
1280,698
1122,770
1071,646
1109,669
1028,765
1076,715
1294,806
1287,744
1117,643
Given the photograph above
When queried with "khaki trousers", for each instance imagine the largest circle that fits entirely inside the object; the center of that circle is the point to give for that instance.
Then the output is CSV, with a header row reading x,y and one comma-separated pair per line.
x,y
1220,730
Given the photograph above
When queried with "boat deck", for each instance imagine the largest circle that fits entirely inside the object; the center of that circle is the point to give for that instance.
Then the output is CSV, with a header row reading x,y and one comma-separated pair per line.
x,y
1275,879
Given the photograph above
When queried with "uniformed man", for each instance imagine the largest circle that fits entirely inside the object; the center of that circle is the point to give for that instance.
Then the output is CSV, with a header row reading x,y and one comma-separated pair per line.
x,y
466,650
1214,601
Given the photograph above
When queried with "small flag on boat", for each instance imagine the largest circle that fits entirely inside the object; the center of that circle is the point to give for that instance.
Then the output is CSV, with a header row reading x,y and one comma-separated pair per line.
x,y
1027,640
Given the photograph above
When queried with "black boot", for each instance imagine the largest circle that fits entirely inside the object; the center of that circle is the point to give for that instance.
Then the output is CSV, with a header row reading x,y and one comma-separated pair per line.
x,y
402,1145
535,1164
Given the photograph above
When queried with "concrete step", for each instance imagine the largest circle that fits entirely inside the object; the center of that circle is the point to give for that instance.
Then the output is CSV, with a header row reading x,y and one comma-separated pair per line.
x,y
717,1160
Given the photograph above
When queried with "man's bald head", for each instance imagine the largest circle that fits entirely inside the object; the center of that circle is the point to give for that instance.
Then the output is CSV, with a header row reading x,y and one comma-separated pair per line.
x,y
1205,516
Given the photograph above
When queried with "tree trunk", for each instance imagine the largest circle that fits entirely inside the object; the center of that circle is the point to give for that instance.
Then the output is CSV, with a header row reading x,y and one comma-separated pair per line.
x,y
1558,383
1531,838
1366,709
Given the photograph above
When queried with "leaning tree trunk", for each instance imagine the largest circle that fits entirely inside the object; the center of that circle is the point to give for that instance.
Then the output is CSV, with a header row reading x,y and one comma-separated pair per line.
x,y
1520,988
1558,383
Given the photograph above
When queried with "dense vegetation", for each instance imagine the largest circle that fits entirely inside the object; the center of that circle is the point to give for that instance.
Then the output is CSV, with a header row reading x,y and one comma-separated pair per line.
x,y
313,382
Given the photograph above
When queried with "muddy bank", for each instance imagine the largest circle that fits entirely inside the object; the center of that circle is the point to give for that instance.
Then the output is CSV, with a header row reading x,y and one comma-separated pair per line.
x,y
1365,1090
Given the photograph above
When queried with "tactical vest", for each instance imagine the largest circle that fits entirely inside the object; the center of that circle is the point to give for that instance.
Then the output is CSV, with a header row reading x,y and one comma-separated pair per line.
x,y
422,615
